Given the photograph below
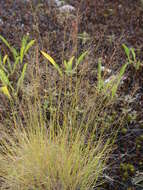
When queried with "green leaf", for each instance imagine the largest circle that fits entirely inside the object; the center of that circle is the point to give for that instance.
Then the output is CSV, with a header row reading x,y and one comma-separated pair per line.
x,y
65,64
68,65
29,45
5,59
133,54
114,90
1,64
51,60
121,73
15,64
122,70
127,51
20,80
23,44
5,42
9,65
12,49
25,47
5,91
81,57
137,65
14,52
4,79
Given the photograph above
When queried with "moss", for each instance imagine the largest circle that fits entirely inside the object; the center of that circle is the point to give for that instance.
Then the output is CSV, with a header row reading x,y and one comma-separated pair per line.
x,y
139,140
124,130
131,168
127,169
126,175
123,166
141,137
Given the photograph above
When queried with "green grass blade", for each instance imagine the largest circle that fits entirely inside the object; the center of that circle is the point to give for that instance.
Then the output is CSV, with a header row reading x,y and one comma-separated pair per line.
x,y
69,65
29,45
51,60
65,64
9,64
127,51
5,42
121,73
14,52
81,57
23,45
133,54
4,79
20,80
122,70
12,49
1,64
5,59
15,64
5,91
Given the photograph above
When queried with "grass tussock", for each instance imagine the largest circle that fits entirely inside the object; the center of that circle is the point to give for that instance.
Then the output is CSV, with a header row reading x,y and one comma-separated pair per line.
x,y
37,157
59,133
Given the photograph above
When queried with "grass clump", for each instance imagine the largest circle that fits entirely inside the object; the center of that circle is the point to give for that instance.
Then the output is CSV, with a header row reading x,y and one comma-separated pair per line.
x,y
61,134
131,57
37,156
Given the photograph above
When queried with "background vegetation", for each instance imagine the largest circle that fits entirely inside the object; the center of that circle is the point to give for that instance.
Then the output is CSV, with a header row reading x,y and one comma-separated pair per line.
x,y
71,84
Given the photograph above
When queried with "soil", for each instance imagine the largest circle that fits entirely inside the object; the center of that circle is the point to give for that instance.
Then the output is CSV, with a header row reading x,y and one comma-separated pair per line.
x,y
104,27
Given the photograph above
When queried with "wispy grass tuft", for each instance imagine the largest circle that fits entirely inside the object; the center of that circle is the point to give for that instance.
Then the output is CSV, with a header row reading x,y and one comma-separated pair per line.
x,y
37,156
59,136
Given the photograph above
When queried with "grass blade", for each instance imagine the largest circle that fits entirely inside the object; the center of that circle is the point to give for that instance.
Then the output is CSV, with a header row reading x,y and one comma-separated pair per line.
x,y
68,65
5,91
5,42
5,59
4,79
51,60
81,57
121,73
23,44
127,51
122,70
15,64
29,45
20,80
12,49
133,54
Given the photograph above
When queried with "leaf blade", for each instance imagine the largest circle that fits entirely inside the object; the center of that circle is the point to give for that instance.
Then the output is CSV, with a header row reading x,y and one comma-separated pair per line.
x,y
4,79
5,91
20,80
52,61
81,57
